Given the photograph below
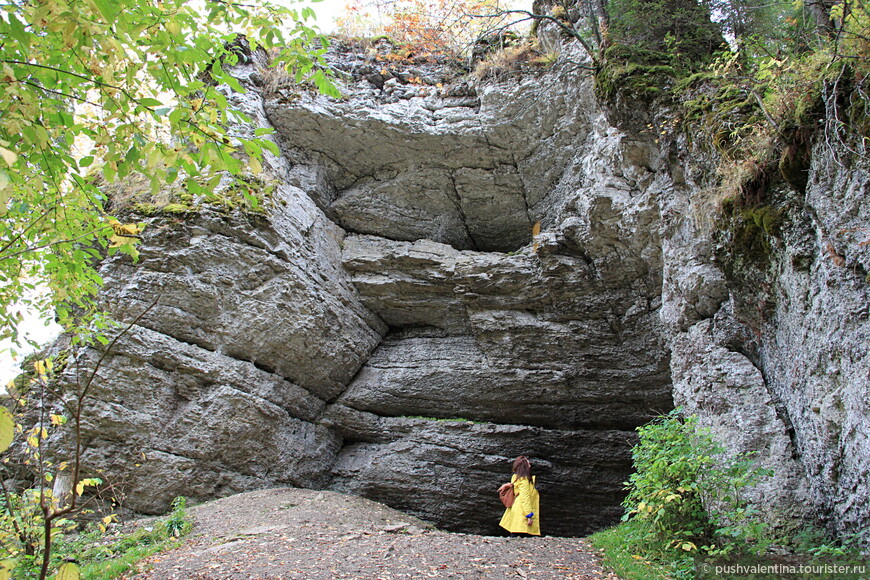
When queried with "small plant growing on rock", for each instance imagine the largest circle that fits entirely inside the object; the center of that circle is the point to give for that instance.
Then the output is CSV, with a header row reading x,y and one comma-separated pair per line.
x,y
513,60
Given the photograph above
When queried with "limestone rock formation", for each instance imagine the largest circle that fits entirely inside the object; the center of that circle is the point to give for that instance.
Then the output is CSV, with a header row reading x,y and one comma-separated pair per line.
x,y
390,327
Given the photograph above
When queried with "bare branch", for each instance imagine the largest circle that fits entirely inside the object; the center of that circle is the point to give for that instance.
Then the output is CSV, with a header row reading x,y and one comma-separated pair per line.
x,y
569,30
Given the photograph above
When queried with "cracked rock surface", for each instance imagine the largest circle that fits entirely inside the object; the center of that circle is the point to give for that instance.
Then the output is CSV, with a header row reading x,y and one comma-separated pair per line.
x,y
390,328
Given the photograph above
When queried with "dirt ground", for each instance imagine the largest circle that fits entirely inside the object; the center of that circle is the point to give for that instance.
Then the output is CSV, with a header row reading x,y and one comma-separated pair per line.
x,y
299,534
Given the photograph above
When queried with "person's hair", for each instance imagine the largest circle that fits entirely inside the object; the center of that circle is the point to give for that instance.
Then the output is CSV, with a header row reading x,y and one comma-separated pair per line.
x,y
522,467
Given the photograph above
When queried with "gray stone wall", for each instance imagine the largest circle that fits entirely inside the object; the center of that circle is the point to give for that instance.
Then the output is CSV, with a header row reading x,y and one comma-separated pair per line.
x,y
391,328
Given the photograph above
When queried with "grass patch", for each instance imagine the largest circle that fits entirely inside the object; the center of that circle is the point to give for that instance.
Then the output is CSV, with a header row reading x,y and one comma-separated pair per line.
x,y
124,562
103,555
514,60
621,554
441,419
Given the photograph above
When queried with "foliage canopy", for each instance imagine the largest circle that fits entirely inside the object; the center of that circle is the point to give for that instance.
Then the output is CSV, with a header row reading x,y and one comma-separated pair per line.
x,y
110,88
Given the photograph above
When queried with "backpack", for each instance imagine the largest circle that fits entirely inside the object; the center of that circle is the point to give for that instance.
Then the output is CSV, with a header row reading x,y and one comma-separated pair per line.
x,y
506,494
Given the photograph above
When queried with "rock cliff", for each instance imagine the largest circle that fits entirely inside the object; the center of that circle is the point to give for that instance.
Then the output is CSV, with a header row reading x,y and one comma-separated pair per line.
x,y
390,327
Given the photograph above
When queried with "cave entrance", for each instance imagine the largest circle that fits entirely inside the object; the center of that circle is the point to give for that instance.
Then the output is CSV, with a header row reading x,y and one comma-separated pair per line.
x,y
490,356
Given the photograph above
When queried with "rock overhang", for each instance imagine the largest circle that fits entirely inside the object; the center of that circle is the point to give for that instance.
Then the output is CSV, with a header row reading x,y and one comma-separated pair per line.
x,y
548,348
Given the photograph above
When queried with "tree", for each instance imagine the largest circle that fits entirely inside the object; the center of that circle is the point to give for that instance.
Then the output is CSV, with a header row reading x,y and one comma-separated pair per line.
x,y
29,521
676,26
431,26
108,88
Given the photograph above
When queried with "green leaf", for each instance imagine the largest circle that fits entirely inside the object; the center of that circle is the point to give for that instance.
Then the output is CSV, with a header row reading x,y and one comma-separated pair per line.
x,y
234,83
271,146
107,10
16,31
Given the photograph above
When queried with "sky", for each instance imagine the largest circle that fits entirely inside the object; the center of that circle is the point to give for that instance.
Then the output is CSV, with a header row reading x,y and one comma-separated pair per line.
x,y
326,11
35,329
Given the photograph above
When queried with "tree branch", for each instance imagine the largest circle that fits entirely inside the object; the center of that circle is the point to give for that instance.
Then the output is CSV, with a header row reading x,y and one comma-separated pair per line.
x,y
569,30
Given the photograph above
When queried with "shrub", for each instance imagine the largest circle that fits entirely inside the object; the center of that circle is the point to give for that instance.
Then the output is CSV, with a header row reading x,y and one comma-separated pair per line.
x,y
687,492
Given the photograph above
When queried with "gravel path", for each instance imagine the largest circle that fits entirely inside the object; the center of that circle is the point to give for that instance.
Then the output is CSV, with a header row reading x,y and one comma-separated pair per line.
x,y
299,534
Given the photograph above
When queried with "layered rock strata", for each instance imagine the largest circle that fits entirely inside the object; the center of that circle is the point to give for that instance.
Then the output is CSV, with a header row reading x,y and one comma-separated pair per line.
x,y
390,327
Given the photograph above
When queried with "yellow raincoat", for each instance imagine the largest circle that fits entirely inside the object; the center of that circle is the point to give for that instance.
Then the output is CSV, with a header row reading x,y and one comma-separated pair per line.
x,y
526,502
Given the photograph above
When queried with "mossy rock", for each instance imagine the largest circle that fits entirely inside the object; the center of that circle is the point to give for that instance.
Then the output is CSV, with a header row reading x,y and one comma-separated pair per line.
x,y
750,231
150,209
634,73
632,54
634,81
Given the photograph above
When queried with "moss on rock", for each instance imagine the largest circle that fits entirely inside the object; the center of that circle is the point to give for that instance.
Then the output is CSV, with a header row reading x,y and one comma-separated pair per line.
x,y
748,232
635,73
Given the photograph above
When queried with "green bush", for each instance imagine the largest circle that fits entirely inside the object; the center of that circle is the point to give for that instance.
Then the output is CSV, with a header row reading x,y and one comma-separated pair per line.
x,y
103,555
687,493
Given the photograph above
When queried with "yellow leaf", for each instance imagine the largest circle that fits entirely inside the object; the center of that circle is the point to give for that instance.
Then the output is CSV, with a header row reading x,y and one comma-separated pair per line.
x,y
118,241
68,571
40,367
80,488
8,74
58,419
7,429
124,229
8,156
536,229
6,566
255,165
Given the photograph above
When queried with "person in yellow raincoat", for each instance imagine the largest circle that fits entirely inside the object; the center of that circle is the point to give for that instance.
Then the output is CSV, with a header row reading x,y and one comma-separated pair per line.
x,y
524,516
